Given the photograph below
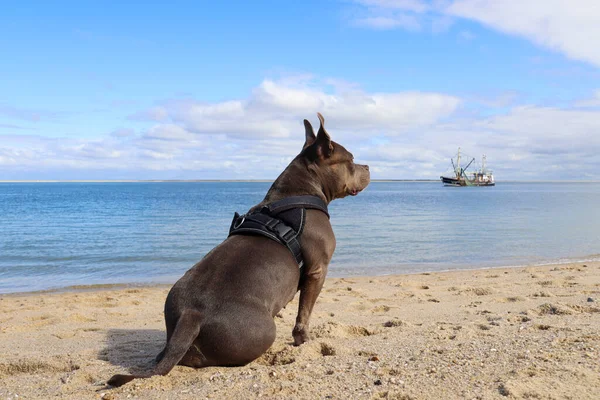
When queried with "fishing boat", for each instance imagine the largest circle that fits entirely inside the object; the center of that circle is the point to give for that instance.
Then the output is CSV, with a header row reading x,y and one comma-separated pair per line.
x,y
480,177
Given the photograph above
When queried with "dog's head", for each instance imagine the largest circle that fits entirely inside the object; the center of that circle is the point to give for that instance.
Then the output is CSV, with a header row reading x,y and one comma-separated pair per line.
x,y
332,164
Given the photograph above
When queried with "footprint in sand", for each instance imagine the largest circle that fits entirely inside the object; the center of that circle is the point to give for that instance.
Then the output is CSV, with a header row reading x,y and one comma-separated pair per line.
x,y
332,329
327,350
284,354
381,308
280,356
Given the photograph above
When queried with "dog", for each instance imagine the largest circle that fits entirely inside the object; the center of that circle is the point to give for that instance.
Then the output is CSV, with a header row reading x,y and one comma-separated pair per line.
x,y
220,313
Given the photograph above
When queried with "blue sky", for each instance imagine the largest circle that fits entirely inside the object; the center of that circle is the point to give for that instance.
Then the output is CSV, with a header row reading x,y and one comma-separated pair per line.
x,y
210,90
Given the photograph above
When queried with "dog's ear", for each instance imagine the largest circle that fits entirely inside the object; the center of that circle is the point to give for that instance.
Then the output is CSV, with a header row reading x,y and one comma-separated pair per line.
x,y
323,144
309,133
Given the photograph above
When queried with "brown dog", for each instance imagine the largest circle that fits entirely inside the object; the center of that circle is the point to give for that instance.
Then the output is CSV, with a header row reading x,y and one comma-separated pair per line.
x,y
221,311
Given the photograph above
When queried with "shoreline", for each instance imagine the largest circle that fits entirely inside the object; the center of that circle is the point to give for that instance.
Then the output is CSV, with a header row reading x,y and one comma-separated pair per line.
x,y
517,332
172,279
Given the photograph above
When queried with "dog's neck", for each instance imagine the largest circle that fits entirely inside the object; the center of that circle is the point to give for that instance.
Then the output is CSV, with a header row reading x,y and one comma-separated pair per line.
x,y
298,179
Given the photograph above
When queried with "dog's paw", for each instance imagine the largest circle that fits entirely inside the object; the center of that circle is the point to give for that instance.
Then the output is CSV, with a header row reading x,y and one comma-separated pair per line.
x,y
300,334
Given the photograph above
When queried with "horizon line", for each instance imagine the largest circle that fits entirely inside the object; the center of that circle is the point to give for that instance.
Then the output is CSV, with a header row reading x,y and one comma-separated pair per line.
x,y
259,180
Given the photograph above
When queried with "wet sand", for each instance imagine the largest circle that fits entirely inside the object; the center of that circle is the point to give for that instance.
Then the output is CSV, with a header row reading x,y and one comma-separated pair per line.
x,y
531,332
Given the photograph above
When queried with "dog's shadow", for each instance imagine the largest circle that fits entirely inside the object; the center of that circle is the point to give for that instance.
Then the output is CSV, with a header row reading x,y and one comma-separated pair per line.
x,y
133,349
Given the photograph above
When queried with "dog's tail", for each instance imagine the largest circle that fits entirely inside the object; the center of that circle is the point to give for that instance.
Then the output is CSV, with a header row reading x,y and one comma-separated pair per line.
x,y
185,332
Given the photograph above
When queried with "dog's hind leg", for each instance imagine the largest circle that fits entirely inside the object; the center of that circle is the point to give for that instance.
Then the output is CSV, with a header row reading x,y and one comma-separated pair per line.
x,y
184,334
194,358
160,355
170,323
238,339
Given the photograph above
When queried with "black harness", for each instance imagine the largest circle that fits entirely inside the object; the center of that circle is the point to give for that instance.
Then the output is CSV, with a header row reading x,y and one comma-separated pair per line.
x,y
281,221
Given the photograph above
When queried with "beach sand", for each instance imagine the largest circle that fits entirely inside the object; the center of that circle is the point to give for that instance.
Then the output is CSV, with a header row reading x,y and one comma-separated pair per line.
x,y
531,333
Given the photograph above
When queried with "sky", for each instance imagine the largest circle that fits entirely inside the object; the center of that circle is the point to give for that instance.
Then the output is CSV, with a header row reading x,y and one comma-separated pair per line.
x,y
219,90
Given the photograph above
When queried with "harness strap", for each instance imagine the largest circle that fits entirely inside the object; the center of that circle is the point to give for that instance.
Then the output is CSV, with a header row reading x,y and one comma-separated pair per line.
x,y
297,202
281,221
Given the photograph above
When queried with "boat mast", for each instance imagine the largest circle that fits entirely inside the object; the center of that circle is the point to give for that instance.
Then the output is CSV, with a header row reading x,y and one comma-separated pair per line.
x,y
483,163
468,165
457,170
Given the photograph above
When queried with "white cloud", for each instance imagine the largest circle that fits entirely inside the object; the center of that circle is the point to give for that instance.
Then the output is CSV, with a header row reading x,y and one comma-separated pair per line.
x,y
253,137
562,25
276,110
546,130
532,142
170,132
565,26
400,135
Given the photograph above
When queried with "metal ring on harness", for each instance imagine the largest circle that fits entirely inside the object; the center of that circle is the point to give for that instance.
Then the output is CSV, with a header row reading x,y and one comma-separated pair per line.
x,y
239,223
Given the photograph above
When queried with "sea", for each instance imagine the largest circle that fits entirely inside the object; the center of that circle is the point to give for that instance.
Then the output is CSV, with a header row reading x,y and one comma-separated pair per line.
x,y
62,235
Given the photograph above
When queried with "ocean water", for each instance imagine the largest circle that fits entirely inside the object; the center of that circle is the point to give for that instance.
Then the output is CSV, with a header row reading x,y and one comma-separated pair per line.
x,y
54,235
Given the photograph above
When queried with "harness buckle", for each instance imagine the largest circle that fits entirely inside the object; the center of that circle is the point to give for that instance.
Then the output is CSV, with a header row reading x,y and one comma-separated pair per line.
x,y
239,223
272,224
286,233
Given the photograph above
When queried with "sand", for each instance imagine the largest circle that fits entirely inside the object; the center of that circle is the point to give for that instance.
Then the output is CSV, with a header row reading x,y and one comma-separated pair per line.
x,y
526,333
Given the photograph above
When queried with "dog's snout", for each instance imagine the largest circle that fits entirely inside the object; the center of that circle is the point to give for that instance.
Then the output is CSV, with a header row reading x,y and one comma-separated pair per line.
x,y
366,167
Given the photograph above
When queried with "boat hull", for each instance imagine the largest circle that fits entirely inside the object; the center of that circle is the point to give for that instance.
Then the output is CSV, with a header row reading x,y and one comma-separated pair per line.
x,y
452,181
463,182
